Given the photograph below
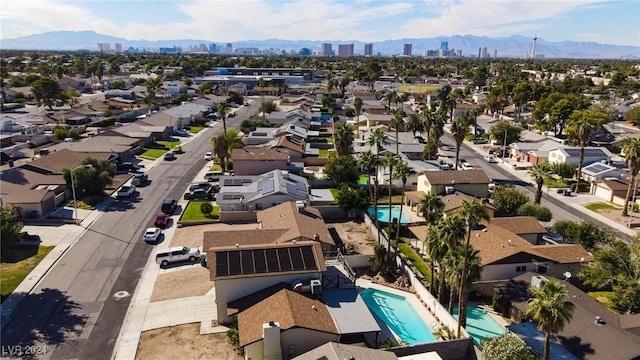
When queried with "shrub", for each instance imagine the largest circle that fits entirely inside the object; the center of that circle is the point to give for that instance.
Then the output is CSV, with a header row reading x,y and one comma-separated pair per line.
x,y
540,212
206,208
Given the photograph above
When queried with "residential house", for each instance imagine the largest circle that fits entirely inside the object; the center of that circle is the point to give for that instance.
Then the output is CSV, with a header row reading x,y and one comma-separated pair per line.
x,y
593,333
453,203
80,85
147,134
176,87
256,160
122,146
461,108
337,351
602,170
242,270
533,152
470,182
240,88
614,190
186,112
168,121
572,155
527,227
244,195
32,193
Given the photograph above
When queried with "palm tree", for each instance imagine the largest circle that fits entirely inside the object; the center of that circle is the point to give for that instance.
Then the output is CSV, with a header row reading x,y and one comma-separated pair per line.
x,y
357,104
403,171
437,251
451,231
473,273
343,138
390,161
397,123
459,130
368,161
539,172
431,207
453,263
549,309
415,124
220,147
582,125
377,139
473,212
222,112
631,150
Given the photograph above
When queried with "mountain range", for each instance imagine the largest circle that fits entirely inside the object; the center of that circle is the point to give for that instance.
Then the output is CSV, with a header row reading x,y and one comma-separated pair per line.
x,y
514,46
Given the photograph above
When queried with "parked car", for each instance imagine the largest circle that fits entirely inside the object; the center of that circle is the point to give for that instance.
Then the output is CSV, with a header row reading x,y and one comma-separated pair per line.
x,y
151,234
169,205
177,149
480,141
178,253
491,159
467,166
181,132
169,155
213,175
200,185
199,194
139,179
126,191
208,156
161,220
128,166
232,114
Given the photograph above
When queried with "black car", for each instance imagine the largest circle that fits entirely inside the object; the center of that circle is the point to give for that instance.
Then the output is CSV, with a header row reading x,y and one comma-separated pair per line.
x,y
169,205
128,166
200,185
199,194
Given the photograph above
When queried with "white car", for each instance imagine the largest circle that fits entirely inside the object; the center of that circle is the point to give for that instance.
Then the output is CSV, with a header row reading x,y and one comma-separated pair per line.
x,y
151,234
126,191
467,166
208,156
491,159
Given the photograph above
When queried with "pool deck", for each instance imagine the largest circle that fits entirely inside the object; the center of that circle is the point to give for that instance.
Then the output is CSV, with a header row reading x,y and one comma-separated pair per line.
x,y
411,298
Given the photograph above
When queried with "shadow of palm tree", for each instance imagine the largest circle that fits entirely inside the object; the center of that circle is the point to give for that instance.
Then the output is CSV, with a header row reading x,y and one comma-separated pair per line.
x,y
46,318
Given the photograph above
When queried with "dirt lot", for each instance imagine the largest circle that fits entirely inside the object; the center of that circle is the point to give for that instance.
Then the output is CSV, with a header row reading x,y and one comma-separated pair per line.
x,y
184,342
193,281
355,234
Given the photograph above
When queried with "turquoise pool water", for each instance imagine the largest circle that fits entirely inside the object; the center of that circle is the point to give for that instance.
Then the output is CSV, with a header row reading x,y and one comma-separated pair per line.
x,y
383,213
399,316
480,324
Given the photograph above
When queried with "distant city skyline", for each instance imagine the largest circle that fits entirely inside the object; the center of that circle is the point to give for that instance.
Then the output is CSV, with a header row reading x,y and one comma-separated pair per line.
x,y
601,21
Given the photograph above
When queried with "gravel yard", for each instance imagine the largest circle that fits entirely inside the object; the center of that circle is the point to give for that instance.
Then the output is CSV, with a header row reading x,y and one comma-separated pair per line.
x,y
193,281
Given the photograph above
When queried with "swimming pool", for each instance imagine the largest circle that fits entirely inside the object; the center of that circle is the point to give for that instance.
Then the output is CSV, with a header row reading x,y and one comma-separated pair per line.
x,y
480,324
383,213
398,315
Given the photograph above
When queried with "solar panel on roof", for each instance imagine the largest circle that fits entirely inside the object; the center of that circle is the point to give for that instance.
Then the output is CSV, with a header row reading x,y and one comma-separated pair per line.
x,y
247,261
234,263
573,152
309,259
221,263
285,260
272,260
267,186
261,262
296,259
593,152
596,168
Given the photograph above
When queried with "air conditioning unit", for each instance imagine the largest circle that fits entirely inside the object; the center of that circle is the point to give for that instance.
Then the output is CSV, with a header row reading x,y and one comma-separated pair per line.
x,y
449,190
316,286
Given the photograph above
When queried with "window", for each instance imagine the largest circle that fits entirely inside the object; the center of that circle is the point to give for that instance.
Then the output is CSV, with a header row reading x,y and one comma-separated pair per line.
x,y
521,268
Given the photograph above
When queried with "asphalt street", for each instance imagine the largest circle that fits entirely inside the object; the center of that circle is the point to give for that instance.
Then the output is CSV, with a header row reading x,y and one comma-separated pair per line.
x,y
78,307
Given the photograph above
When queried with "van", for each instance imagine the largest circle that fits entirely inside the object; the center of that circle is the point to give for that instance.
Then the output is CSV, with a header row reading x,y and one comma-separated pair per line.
x,y
169,205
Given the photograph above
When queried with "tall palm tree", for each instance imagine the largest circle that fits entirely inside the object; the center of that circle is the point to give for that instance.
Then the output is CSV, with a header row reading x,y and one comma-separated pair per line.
x,y
377,139
368,161
459,130
581,127
397,123
539,172
415,124
472,212
437,251
343,138
473,272
223,108
431,207
403,171
453,264
220,145
451,230
549,309
631,150
357,104
390,161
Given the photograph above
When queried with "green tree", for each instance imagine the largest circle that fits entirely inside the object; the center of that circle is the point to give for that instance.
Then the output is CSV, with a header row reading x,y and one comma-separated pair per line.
x,y
540,212
415,124
549,309
431,208
539,172
631,151
11,230
581,127
503,127
342,170
367,162
235,97
473,212
91,181
397,123
509,199
220,145
586,233
459,130
633,115
268,107
616,268
343,138
349,198
383,261
206,208
506,347
46,92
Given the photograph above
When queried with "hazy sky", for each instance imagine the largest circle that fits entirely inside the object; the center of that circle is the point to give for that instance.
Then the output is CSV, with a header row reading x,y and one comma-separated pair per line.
x,y
609,22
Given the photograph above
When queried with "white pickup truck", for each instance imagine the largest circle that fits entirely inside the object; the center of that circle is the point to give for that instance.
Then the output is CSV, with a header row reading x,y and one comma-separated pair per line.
x,y
178,253
126,191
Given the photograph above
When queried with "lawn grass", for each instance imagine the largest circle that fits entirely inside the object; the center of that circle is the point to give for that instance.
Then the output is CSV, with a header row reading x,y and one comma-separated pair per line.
x,y
193,213
599,206
334,192
215,167
196,129
363,180
395,200
152,154
415,259
555,183
168,144
12,274
323,153
604,298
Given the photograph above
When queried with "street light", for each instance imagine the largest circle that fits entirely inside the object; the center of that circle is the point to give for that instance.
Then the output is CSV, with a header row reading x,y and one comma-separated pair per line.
x,y
73,190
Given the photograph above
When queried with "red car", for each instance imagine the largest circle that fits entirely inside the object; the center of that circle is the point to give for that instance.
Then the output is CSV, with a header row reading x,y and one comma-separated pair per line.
x,y
161,220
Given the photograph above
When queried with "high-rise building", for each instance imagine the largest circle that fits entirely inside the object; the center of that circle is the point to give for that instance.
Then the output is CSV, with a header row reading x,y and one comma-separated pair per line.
x,y
368,49
325,49
407,50
495,53
118,47
345,50
482,52
104,47
213,48
444,46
